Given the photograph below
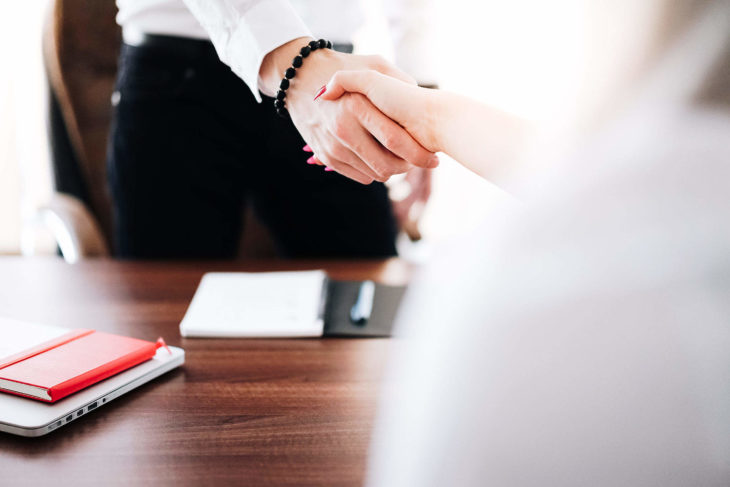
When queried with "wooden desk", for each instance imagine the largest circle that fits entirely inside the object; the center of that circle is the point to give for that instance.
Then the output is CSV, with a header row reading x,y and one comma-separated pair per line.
x,y
240,412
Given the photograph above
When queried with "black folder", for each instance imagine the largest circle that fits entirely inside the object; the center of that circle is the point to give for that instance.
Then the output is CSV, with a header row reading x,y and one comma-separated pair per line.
x,y
341,296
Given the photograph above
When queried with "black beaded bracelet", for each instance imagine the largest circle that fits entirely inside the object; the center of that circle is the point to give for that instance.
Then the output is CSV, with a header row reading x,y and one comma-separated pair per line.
x,y
280,101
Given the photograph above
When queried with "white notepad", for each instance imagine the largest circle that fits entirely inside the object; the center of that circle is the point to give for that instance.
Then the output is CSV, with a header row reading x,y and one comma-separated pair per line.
x,y
270,304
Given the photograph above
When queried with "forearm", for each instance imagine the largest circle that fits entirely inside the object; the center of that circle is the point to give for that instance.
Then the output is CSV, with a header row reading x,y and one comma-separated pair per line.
x,y
244,31
483,139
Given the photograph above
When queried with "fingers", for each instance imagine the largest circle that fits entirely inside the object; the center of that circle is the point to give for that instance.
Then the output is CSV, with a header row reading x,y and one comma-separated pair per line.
x,y
373,69
350,143
364,138
382,162
349,165
392,100
348,129
369,142
345,163
425,186
350,172
364,82
395,138
418,182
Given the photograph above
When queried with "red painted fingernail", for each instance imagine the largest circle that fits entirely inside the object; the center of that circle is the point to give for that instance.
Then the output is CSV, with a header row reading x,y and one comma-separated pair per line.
x,y
306,148
312,160
321,90
328,169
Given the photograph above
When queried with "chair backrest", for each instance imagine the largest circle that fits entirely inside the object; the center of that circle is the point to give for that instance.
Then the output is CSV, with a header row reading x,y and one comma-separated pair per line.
x,y
81,42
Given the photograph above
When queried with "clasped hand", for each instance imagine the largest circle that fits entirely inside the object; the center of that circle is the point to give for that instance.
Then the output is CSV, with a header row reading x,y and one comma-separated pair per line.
x,y
349,134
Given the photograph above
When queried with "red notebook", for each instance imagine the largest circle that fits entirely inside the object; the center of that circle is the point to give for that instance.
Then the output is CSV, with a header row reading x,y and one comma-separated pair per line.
x,y
70,362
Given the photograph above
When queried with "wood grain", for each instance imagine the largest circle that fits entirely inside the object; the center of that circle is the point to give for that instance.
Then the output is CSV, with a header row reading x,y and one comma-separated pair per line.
x,y
240,412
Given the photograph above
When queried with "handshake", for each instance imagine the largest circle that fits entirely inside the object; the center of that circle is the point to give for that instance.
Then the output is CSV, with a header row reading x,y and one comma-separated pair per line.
x,y
354,112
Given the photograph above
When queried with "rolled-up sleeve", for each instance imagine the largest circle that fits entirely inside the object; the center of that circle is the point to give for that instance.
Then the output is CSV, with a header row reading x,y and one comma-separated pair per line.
x,y
244,31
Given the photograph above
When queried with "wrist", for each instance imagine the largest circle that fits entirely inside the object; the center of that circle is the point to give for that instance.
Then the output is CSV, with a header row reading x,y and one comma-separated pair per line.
x,y
316,71
438,117
277,61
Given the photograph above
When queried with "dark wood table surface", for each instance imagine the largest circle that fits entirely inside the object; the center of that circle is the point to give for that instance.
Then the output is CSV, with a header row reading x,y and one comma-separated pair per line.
x,y
239,412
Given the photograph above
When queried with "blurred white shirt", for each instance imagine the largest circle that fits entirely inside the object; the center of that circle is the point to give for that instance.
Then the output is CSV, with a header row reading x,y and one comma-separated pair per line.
x,y
584,340
244,31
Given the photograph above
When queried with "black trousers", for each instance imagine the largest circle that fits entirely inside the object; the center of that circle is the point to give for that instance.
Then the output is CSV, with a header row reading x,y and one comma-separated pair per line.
x,y
190,146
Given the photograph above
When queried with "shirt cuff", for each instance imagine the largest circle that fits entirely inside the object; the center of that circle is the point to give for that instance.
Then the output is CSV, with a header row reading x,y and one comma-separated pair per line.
x,y
260,30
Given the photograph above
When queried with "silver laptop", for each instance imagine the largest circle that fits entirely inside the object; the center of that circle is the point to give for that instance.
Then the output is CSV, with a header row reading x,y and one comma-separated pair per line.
x,y
28,417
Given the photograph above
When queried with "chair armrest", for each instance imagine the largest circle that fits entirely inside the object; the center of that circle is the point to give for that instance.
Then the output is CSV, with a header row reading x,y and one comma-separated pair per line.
x,y
73,227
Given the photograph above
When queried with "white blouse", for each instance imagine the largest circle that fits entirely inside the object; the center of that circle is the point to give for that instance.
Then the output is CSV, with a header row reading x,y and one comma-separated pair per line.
x,y
582,340
242,31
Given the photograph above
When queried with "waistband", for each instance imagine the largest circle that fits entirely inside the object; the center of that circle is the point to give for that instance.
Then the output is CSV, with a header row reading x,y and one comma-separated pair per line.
x,y
183,46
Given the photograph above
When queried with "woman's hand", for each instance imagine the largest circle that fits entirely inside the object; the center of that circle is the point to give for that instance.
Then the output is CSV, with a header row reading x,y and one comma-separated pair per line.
x,y
349,135
409,198
410,106
481,138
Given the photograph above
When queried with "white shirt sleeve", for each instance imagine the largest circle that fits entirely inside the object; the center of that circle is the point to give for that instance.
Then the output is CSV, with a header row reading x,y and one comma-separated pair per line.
x,y
244,31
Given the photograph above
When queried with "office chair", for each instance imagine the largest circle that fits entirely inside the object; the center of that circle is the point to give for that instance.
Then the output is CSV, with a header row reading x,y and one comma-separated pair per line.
x,y
80,45
81,42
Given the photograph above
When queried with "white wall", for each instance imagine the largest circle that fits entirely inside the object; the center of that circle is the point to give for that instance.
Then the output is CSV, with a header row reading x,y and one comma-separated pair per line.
x,y
520,55
24,174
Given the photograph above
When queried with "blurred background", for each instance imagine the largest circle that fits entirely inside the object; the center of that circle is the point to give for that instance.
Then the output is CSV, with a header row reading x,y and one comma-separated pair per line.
x,y
522,56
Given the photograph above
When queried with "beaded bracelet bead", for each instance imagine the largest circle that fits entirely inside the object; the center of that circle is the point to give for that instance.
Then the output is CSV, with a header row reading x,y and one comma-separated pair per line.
x,y
280,100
